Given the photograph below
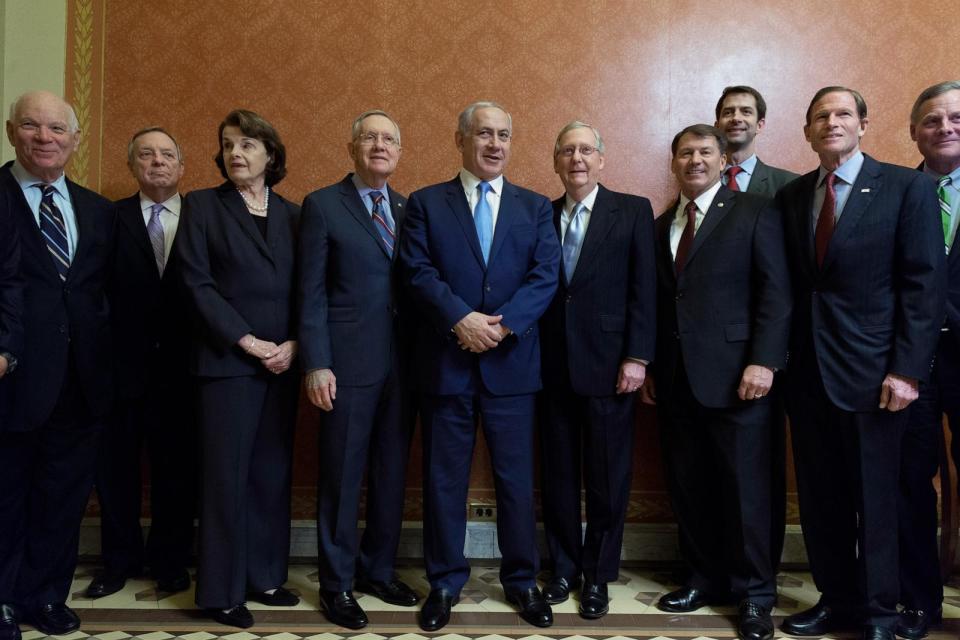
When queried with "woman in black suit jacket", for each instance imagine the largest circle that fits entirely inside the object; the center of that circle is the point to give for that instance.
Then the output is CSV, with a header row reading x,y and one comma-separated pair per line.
x,y
236,248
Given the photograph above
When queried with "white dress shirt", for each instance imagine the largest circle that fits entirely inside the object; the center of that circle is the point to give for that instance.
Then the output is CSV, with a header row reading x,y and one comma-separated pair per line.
x,y
567,214
704,200
470,182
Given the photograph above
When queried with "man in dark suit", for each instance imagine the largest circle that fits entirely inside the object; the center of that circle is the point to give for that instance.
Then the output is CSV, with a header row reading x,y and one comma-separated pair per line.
x,y
935,127
598,336
350,348
866,256
11,306
62,388
723,322
155,407
741,114
480,258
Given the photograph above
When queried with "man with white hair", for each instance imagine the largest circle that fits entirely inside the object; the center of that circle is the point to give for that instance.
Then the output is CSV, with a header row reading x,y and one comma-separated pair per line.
x,y
62,390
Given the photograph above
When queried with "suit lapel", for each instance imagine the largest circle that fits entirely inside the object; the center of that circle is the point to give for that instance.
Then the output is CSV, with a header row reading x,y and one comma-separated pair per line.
x,y
131,217
461,211
799,220
32,240
663,238
602,219
557,214
233,202
399,210
505,218
350,198
862,192
721,205
758,181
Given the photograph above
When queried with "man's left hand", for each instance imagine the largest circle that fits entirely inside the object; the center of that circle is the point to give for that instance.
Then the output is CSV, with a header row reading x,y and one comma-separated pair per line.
x,y
755,383
631,376
280,361
897,392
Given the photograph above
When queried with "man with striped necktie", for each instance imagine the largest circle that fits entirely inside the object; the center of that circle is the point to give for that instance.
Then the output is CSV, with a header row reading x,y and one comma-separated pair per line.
x,y
351,351
63,387
935,127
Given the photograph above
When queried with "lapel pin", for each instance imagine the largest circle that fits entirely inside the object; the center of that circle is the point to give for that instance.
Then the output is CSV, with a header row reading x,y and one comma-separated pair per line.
x,y
866,190
719,204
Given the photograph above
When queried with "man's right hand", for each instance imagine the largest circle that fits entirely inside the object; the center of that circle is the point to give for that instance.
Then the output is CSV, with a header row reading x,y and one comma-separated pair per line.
x,y
478,332
321,387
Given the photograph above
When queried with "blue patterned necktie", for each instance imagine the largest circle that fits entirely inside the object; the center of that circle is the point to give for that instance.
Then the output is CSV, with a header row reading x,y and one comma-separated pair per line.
x,y
382,220
54,230
483,219
155,232
945,212
572,241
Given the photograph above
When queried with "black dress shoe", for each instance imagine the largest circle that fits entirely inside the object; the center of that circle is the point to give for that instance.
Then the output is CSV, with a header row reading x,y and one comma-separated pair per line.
x,y
279,598
683,600
594,602
9,629
106,583
819,620
754,622
533,608
173,581
916,623
557,590
435,613
393,592
341,608
873,632
238,616
55,619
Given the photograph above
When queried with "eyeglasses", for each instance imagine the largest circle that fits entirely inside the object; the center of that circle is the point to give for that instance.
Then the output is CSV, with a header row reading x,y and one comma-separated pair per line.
x,y
585,150
370,139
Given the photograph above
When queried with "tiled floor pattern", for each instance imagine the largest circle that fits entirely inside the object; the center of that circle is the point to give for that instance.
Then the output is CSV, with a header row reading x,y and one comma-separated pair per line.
x,y
140,612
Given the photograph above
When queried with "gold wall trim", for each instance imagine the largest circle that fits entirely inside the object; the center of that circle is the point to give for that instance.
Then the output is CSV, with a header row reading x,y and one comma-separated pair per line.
x,y
84,85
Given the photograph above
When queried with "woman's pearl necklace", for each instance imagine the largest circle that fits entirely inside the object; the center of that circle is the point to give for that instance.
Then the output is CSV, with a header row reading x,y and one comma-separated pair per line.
x,y
252,205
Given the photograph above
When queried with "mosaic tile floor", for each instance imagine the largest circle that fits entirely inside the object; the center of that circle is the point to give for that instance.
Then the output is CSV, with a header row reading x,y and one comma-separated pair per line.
x,y
140,612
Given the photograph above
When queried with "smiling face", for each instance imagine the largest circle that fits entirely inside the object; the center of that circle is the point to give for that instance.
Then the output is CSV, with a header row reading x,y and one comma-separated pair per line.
x,y
156,164
835,128
937,133
697,164
486,147
245,158
376,150
43,135
739,120
578,162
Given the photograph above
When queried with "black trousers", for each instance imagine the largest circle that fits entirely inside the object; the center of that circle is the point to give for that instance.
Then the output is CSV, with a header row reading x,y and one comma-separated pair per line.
x,y
246,426
163,423
848,470
369,428
920,585
717,466
45,481
592,438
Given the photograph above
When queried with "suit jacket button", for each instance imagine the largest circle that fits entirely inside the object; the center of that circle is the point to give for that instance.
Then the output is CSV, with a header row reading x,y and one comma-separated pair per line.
x,y
486,287
679,295
569,298
62,328
676,334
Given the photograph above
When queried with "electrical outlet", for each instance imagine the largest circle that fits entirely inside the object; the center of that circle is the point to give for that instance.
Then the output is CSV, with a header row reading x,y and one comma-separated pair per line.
x,y
481,511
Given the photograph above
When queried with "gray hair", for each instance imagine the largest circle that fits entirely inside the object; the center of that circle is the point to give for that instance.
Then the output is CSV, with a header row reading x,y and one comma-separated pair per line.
x,y
465,119
576,124
929,93
133,142
355,127
72,121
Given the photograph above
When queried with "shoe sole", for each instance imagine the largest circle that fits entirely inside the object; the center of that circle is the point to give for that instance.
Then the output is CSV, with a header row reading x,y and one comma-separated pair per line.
x,y
340,623
593,616
393,601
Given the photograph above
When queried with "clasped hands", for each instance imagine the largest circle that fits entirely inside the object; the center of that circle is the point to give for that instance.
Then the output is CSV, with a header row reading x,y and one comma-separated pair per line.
x,y
274,358
477,332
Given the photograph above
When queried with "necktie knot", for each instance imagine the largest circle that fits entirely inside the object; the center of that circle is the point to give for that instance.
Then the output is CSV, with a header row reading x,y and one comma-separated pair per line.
x,y
156,210
831,180
732,173
691,211
47,190
944,181
484,188
377,198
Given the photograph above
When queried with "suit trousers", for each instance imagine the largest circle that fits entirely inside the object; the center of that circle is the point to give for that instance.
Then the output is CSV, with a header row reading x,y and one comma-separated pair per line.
x,y
46,475
164,422
246,427
920,583
592,436
369,428
717,467
848,469
449,425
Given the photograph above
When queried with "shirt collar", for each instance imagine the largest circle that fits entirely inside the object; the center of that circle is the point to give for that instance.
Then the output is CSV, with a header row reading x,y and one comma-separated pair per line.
x,y
470,182
172,204
363,189
704,200
588,201
847,172
747,165
954,176
26,179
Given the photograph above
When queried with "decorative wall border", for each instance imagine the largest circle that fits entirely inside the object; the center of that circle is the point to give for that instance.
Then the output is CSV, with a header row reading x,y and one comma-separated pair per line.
x,y
83,84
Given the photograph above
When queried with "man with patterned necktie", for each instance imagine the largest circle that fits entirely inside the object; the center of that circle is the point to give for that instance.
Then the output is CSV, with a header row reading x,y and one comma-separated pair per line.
x,y
479,256
598,337
935,127
352,351
63,387
154,404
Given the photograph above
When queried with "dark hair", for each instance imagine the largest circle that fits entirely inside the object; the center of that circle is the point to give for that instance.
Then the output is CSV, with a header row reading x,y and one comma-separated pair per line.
x,y
701,131
928,94
255,126
861,103
742,88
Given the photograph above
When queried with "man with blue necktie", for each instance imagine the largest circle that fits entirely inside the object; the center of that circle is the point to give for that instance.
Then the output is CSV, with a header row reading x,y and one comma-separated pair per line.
x,y
935,127
352,352
63,387
480,258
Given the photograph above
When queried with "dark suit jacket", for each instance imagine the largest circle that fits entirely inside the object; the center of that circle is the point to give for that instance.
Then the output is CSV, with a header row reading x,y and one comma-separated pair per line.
x,y
11,298
348,296
61,320
443,267
953,286
876,306
608,311
238,282
150,314
767,180
730,307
